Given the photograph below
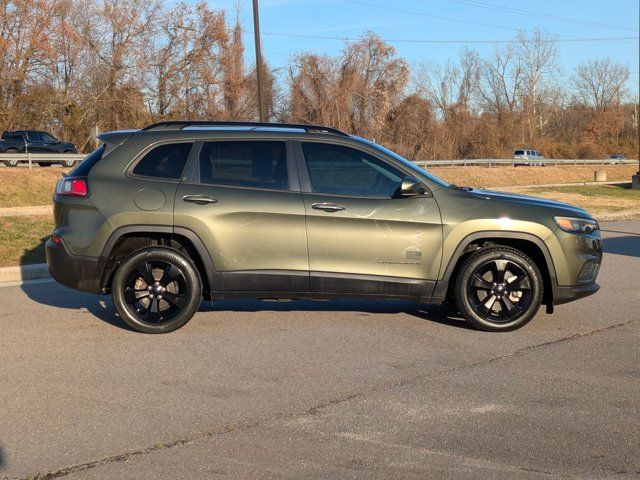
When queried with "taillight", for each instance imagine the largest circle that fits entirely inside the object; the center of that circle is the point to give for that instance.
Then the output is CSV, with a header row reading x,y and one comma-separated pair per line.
x,y
72,187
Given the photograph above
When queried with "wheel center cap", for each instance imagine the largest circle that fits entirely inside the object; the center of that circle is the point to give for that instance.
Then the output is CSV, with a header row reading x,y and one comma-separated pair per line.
x,y
499,289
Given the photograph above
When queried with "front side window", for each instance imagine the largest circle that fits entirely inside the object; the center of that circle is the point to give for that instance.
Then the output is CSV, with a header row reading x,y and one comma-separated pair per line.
x,y
340,170
48,138
164,161
245,164
34,136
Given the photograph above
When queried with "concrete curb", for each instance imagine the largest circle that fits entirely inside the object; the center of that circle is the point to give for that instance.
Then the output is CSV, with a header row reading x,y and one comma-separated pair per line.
x,y
23,273
574,184
628,215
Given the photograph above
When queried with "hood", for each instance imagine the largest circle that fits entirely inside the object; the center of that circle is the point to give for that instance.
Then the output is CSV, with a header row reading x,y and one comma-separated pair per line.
x,y
518,199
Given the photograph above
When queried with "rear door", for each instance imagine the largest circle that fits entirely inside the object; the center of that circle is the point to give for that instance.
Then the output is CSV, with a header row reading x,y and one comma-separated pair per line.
x,y
362,238
242,199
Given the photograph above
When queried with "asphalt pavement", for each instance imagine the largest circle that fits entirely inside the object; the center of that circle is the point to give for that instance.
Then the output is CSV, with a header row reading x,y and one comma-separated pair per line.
x,y
339,389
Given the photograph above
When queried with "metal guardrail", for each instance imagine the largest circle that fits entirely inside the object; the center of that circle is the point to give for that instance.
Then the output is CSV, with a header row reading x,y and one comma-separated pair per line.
x,y
32,158
496,162
37,158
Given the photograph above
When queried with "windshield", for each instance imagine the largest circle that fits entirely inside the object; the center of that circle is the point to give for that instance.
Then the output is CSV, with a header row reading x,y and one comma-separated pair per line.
x,y
404,161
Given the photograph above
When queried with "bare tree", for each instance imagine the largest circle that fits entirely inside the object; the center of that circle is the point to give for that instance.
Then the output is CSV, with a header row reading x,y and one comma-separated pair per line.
x,y
451,85
501,78
538,56
600,83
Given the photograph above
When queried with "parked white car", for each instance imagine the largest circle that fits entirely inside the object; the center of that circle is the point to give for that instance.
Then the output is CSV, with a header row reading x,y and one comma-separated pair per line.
x,y
531,158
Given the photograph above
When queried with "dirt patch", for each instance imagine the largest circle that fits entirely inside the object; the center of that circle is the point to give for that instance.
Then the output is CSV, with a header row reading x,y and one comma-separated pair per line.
x,y
514,176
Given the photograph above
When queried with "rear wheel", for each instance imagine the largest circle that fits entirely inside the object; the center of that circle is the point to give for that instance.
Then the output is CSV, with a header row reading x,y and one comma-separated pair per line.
x,y
68,163
44,164
156,290
12,162
498,289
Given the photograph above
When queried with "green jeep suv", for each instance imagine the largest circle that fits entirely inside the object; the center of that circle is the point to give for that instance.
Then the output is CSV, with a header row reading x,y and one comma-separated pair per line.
x,y
164,216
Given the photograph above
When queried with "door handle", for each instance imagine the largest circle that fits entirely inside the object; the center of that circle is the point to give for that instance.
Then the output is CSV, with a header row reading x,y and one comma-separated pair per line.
x,y
199,199
328,207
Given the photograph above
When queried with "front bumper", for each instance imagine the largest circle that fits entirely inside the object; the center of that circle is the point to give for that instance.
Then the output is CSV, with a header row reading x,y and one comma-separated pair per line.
x,y
73,271
563,294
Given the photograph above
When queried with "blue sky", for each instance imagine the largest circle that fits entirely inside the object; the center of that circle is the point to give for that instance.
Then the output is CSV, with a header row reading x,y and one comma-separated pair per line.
x,y
473,20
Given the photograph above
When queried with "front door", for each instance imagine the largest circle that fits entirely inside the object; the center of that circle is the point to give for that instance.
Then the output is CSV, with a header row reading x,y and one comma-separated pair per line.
x,y
363,238
243,202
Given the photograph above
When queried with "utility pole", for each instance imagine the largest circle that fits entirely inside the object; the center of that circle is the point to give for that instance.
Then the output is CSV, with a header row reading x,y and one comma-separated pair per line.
x,y
256,32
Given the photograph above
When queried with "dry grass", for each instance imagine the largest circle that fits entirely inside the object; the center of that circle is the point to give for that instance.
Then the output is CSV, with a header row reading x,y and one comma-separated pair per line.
x,y
514,176
596,200
22,239
20,187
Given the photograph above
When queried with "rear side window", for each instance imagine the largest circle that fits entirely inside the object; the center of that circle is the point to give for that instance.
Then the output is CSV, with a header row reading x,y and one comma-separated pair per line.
x,y
164,161
245,164
82,169
12,136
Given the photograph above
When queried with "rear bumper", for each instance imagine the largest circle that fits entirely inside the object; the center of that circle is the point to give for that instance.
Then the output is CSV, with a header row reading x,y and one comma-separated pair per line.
x,y
569,294
73,271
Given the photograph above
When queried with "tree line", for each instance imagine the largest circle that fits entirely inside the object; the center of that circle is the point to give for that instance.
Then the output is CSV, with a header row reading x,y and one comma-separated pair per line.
x,y
68,66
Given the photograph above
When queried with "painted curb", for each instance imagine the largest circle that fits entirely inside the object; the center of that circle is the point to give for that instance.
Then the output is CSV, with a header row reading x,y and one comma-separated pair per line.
x,y
23,273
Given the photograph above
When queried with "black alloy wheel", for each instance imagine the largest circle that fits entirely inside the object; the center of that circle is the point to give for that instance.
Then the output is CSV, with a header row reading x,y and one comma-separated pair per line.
x,y
499,289
156,290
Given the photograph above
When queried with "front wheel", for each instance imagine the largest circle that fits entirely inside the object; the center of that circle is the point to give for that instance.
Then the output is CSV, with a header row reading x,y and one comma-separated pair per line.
x,y
498,289
156,290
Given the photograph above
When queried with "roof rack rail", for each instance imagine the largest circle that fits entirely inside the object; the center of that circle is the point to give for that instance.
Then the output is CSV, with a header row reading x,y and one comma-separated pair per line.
x,y
181,124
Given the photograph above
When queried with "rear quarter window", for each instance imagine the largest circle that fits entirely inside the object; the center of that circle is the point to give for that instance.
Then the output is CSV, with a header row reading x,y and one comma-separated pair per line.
x,y
83,168
518,152
164,161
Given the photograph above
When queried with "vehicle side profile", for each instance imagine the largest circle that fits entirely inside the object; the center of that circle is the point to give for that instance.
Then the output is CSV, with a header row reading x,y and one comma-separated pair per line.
x,y
163,217
34,141
530,158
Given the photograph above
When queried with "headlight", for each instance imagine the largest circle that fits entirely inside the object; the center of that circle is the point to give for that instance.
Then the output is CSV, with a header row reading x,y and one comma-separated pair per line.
x,y
576,225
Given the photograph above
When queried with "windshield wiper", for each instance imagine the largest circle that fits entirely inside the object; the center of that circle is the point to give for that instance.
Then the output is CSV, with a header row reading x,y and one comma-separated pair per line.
x,y
466,189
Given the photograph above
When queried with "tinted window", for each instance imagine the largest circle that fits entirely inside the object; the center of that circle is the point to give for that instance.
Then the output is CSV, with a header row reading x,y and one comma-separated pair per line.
x,y
83,168
340,170
164,161
12,136
245,164
519,152
34,136
48,138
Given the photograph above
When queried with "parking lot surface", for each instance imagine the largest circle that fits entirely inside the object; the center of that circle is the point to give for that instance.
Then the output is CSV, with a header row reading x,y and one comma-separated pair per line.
x,y
340,389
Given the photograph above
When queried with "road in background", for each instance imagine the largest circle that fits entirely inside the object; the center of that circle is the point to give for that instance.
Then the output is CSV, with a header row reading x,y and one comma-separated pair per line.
x,y
340,389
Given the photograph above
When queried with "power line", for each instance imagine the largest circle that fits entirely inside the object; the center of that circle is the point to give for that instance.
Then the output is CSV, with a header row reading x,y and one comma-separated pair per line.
x,y
411,40
530,13
422,14
450,19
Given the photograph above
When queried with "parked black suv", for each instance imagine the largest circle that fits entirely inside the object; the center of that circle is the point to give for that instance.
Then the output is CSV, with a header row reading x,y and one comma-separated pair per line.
x,y
34,141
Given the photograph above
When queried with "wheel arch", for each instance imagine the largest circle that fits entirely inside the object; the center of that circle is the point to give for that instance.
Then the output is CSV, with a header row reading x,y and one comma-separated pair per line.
x,y
126,240
529,244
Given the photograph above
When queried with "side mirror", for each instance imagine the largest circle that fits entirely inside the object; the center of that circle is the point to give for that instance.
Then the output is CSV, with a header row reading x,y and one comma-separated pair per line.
x,y
412,187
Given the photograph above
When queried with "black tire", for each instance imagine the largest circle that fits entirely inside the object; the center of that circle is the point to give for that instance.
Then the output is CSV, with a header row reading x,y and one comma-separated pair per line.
x,y
11,163
156,290
498,289
44,164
